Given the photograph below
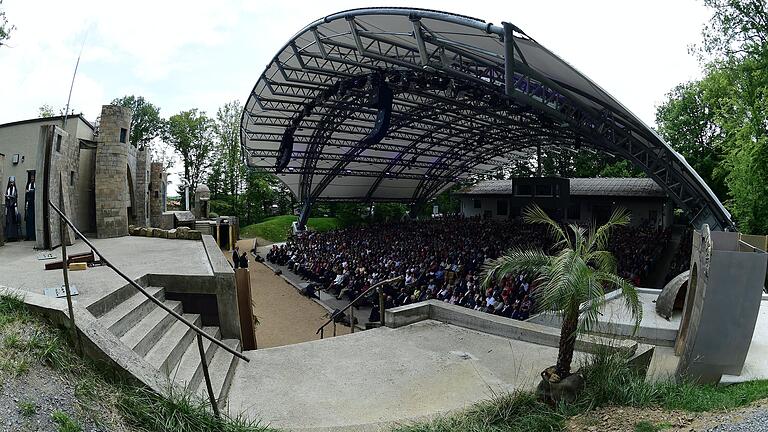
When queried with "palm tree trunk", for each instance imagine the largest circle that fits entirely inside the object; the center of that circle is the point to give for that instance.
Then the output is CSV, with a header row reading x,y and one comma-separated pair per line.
x,y
567,344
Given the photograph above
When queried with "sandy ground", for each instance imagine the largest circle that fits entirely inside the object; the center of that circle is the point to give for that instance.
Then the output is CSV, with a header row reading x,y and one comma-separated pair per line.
x,y
285,316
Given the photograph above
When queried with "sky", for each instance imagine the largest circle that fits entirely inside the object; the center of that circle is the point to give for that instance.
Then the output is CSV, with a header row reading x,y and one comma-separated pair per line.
x,y
201,54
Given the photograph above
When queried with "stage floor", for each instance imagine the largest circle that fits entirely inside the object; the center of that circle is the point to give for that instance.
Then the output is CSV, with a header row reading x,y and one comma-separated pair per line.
x,y
135,256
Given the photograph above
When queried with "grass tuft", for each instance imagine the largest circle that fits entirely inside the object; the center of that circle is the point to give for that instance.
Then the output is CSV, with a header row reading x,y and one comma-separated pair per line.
x,y
64,422
27,408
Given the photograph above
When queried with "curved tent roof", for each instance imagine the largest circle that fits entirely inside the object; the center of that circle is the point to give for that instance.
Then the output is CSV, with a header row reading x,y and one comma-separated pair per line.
x,y
398,104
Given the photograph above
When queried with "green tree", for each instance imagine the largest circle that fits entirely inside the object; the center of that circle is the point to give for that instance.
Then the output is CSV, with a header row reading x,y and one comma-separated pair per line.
x,y
227,174
190,134
687,120
46,111
146,123
5,28
572,282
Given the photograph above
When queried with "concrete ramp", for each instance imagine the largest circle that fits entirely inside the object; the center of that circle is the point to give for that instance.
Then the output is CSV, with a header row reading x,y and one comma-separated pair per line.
x,y
366,380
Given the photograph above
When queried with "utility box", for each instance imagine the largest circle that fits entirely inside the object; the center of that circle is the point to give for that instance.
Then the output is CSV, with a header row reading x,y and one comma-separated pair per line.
x,y
721,307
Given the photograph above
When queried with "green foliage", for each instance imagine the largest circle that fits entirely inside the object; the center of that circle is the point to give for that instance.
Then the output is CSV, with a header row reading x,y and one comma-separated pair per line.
x,y
64,422
46,111
27,408
5,28
572,282
191,134
610,381
146,123
646,426
100,392
719,122
278,228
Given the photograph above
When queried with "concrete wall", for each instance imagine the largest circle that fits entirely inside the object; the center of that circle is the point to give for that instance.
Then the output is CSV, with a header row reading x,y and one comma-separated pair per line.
x,y
221,285
721,307
62,151
496,325
85,191
24,139
157,194
113,196
2,199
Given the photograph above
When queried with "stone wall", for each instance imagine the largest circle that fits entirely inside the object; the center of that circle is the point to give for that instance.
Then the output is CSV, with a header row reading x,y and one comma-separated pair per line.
x,y
142,187
62,151
157,193
113,178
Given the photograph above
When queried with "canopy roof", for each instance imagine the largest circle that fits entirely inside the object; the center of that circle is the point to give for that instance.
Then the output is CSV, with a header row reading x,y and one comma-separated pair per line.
x,y
398,104
604,186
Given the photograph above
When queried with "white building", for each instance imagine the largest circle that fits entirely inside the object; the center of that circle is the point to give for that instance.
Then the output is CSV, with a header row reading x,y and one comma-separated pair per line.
x,y
573,200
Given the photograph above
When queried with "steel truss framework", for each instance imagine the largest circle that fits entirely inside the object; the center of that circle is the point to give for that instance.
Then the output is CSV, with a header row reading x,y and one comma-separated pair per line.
x,y
468,97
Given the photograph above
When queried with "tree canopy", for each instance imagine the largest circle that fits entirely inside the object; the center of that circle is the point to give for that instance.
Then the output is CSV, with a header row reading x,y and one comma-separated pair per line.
x,y
191,134
5,28
720,122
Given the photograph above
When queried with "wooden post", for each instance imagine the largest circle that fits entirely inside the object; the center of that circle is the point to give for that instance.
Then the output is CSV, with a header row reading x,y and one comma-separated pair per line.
x,y
381,306
245,307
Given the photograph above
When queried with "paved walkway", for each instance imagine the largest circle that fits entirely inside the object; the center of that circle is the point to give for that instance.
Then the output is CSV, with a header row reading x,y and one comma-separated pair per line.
x,y
368,379
285,316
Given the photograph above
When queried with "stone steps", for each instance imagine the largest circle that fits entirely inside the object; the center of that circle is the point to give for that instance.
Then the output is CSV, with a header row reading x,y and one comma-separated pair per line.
x,y
167,343
127,314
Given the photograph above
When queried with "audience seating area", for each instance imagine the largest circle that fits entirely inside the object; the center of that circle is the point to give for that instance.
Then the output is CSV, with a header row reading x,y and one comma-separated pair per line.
x,y
442,259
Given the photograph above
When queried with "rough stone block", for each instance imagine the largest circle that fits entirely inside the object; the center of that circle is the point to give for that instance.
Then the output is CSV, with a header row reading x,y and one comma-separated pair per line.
x,y
172,233
194,235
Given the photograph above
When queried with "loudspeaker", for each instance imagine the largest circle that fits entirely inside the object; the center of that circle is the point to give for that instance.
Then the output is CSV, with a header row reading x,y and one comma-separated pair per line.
x,y
286,150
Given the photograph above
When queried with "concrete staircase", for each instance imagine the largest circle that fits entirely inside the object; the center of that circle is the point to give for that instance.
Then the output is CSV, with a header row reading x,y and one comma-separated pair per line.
x,y
166,343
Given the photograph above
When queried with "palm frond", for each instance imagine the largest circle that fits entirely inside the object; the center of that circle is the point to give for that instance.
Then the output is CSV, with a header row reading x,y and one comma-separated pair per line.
x,y
536,215
619,217
590,310
515,261
628,293
603,261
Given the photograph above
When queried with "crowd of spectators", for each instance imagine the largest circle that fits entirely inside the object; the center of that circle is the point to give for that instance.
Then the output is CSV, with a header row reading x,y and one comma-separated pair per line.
x,y
440,259
636,250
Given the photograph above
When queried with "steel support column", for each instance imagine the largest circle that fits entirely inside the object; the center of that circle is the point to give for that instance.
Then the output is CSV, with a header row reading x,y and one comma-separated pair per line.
x,y
306,209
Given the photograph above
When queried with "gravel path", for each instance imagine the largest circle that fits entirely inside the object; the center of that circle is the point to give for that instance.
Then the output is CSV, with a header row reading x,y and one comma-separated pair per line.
x,y
43,391
756,421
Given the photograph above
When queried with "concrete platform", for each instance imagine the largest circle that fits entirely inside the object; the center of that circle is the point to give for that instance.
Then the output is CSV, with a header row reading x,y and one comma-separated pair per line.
x,y
136,256
366,380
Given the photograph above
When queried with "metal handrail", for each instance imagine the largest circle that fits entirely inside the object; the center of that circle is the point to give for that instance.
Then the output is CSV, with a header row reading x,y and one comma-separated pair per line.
x,y
353,302
200,333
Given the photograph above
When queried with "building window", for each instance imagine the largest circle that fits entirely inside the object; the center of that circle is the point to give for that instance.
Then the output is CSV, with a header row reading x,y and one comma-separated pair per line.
x,y
58,143
477,203
501,207
157,194
71,178
123,135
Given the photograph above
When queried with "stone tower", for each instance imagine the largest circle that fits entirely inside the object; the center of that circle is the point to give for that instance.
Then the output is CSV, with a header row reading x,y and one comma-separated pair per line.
x,y
115,176
157,193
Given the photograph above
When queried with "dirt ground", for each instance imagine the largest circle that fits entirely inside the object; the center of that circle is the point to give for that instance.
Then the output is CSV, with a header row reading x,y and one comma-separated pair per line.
x,y
621,419
285,316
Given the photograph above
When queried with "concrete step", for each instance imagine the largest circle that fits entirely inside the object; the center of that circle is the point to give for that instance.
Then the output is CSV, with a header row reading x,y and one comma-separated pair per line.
x,y
127,314
145,334
108,302
165,355
189,371
221,369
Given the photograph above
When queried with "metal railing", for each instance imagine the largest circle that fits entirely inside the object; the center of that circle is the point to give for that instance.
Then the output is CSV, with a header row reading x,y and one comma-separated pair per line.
x,y
338,313
104,261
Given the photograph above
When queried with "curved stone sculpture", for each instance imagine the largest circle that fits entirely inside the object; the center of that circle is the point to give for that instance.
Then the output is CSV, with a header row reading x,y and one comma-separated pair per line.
x,y
665,303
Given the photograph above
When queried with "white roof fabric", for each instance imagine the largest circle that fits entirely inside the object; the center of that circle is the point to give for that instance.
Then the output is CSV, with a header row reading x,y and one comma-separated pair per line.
x,y
605,186
466,101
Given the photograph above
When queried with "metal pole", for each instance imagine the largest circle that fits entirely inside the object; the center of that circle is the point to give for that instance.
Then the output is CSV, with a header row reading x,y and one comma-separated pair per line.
x,y
509,59
186,197
334,329
322,331
207,376
65,272
352,319
381,306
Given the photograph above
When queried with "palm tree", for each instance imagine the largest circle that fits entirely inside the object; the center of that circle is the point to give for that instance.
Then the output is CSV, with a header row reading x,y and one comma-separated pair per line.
x,y
572,282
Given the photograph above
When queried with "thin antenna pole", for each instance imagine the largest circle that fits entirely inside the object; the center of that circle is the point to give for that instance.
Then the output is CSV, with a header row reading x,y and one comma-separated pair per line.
x,y
72,84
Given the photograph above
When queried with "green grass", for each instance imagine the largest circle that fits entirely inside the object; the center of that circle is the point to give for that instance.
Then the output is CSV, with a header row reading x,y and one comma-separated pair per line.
x,y
64,422
27,408
610,382
101,395
646,426
277,228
